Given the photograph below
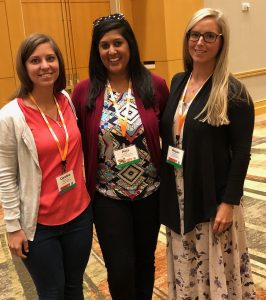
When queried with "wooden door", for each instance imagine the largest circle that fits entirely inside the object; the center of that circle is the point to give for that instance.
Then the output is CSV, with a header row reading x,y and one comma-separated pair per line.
x,y
69,22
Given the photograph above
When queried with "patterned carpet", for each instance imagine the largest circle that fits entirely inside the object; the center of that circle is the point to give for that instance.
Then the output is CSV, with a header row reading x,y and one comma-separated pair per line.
x,y
15,283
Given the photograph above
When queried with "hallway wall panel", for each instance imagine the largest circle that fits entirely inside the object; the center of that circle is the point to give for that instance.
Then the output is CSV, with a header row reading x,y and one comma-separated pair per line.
x,y
6,69
247,56
48,18
7,88
7,76
82,16
69,22
159,26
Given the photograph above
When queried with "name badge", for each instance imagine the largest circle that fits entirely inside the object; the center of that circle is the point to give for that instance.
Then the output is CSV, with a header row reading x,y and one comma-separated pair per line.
x,y
126,156
65,182
175,156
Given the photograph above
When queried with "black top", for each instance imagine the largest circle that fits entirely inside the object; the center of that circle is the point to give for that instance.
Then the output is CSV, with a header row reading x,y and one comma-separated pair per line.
x,y
215,158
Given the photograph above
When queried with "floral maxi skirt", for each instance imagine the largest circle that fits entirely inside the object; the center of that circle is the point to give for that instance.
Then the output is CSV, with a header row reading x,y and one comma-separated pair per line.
x,y
202,265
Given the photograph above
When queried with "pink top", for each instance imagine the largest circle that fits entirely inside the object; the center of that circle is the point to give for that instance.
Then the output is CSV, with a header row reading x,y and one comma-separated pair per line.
x,y
55,208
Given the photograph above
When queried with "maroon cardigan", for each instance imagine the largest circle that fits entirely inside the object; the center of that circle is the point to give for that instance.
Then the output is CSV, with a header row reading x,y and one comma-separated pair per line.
x,y
89,122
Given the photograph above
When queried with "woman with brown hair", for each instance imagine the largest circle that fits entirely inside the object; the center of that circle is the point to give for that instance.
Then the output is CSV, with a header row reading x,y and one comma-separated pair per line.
x,y
46,205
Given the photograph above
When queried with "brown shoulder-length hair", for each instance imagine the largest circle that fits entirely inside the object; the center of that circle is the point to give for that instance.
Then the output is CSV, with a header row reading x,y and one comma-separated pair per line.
x,y
26,49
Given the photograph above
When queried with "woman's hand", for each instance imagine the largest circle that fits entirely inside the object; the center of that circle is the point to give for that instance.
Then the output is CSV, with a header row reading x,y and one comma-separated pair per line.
x,y
17,242
224,217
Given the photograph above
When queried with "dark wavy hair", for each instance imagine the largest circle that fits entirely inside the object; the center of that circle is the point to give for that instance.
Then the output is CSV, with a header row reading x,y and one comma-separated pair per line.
x,y
26,49
140,76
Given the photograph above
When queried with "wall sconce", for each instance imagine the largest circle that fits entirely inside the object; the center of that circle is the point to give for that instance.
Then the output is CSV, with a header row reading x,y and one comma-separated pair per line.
x,y
245,6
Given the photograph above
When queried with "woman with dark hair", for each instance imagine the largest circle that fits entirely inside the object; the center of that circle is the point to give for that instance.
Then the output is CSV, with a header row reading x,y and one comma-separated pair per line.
x,y
119,111
46,205
206,139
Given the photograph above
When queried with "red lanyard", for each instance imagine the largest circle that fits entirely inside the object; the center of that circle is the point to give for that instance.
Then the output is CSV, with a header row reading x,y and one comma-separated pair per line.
x,y
123,123
63,152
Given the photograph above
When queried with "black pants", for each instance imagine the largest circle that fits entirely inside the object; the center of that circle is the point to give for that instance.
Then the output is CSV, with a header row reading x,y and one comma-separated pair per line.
x,y
127,233
58,256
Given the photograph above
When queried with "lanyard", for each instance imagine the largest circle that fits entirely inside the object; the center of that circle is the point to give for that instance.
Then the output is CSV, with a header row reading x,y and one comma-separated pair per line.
x,y
123,123
182,112
63,152
183,109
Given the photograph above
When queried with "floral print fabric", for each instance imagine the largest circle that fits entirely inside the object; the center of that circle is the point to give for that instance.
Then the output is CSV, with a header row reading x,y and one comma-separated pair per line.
x,y
203,265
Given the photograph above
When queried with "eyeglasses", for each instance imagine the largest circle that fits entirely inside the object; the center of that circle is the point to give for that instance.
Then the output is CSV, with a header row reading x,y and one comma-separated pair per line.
x,y
113,17
209,37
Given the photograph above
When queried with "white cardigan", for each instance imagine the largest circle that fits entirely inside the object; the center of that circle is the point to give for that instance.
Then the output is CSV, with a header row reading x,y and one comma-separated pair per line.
x,y
20,172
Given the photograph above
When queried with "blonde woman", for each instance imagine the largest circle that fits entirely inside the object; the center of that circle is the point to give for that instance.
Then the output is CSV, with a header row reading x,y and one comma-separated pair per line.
x,y
206,132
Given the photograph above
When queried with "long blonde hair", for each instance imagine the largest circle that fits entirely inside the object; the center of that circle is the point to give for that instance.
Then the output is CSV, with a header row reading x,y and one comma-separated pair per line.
x,y
215,110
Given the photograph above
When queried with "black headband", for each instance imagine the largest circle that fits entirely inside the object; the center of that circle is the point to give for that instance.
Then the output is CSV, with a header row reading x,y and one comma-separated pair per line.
x,y
110,18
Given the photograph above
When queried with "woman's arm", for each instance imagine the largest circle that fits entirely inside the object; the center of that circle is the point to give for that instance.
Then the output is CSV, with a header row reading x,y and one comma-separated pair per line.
x,y
241,116
9,173
161,93
10,196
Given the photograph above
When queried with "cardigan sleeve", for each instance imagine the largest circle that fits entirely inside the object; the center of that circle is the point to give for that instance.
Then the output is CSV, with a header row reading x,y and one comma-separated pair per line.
x,y
162,93
79,97
241,116
9,188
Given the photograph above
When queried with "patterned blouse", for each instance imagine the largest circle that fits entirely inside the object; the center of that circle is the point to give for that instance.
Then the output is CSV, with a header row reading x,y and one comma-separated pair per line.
x,y
131,182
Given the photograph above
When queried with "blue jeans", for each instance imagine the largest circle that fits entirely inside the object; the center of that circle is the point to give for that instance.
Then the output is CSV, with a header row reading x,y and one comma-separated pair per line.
x,y
58,256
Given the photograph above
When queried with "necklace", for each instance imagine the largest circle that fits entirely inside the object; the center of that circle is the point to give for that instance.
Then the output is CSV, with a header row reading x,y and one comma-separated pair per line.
x,y
193,90
194,87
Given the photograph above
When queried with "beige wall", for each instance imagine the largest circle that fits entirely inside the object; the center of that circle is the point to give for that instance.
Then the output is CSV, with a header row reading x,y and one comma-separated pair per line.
x,y
248,41
10,37
159,26
69,22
